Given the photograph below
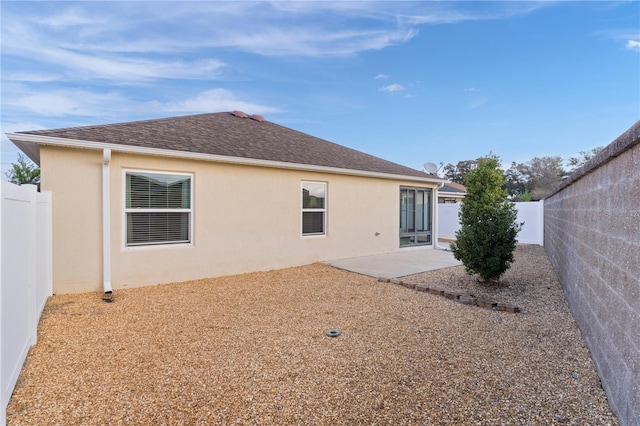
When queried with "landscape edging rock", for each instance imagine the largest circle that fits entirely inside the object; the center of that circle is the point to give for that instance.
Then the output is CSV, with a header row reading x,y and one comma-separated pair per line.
x,y
465,299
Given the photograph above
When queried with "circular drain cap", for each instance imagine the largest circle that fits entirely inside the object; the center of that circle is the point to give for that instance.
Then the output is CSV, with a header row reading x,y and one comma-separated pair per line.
x,y
333,333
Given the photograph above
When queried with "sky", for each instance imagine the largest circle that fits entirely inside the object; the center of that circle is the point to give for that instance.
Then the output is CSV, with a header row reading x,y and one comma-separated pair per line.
x,y
411,82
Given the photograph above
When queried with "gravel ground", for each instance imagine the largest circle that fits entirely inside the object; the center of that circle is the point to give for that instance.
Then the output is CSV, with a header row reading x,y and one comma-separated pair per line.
x,y
252,349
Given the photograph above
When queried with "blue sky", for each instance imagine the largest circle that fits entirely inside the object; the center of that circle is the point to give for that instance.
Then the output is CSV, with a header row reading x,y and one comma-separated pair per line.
x,y
406,81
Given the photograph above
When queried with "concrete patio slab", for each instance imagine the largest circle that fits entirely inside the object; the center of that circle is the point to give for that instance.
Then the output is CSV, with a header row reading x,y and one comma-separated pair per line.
x,y
398,264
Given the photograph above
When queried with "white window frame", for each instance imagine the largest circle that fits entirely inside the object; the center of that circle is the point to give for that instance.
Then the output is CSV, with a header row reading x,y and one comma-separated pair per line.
x,y
316,210
125,210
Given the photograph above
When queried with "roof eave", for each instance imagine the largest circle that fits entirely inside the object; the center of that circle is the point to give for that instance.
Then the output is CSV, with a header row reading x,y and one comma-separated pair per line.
x,y
32,150
30,144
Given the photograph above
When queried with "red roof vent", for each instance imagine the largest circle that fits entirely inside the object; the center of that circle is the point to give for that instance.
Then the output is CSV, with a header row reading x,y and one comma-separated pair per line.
x,y
240,114
257,118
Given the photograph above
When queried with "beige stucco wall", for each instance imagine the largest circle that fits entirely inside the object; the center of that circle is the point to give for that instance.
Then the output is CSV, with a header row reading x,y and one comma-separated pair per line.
x,y
245,219
74,176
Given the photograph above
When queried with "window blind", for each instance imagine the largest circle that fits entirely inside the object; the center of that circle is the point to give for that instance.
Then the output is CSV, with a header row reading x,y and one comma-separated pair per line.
x,y
158,208
313,208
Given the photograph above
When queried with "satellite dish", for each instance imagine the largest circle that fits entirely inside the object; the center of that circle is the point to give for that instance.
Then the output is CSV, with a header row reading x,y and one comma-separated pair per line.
x,y
431,168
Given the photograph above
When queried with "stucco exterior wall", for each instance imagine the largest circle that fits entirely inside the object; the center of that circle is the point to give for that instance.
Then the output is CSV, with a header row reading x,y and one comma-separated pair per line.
x,y
592,236
75,176
245,219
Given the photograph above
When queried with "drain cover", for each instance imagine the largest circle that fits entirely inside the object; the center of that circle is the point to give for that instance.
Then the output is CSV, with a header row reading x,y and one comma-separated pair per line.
x,y
333,333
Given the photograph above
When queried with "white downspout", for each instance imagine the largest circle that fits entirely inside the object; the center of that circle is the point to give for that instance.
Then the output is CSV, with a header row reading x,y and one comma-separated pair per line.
x,y
106,226
435,218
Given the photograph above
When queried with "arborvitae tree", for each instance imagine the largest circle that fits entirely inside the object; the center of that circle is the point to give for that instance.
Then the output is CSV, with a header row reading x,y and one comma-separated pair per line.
x,y
487,238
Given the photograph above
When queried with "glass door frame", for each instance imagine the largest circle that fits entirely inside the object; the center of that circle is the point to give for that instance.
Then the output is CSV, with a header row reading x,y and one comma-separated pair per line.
x,y
416,216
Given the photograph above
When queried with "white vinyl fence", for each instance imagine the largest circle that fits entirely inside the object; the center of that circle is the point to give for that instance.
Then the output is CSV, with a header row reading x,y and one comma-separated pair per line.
x,y
531,213
26,278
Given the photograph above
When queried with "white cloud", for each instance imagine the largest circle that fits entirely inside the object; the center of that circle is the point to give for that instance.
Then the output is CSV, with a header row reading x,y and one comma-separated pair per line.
x,y
120,68
630,36
50,104
443,13
395,87
618,34
267,28
213,100
61,102
65,59
380,76
117,107
633,45
312,40
33,77
476,103
67,18
476,99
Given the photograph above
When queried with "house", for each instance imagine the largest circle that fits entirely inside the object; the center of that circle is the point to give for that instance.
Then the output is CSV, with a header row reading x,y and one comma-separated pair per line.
x,y
182,198
451,192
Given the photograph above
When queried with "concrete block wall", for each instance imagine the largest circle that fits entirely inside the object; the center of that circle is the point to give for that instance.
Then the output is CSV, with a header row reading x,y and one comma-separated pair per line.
x,y
592,237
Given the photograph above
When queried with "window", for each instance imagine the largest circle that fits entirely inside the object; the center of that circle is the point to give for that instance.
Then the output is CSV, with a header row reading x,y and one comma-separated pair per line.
x,y
157,208
415,216
314,208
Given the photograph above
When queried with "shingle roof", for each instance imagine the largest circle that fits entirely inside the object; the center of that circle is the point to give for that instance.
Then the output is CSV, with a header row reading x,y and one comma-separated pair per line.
x,y
228,134
454,187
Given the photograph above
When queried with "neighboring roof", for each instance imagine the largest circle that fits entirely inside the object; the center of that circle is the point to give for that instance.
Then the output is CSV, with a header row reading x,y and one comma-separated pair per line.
x,y
218,134
453,187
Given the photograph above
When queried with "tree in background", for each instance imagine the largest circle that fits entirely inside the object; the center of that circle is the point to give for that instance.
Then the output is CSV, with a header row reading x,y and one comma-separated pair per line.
x,y
542,175
24,172
515,182
487,238
578,161
457,173
529,181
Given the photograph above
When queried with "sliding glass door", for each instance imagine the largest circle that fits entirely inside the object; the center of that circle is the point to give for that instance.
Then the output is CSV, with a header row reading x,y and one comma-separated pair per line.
x,y
415,216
